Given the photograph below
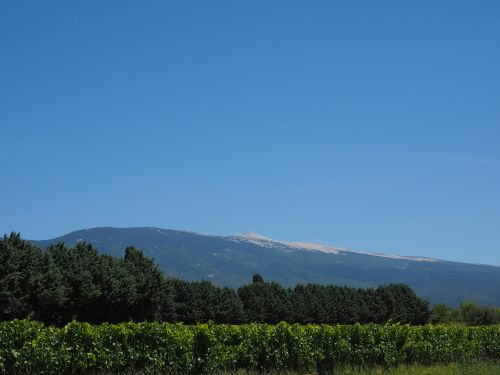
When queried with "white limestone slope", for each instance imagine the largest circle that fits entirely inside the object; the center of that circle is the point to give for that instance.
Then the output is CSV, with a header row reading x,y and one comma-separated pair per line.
x,y
267,242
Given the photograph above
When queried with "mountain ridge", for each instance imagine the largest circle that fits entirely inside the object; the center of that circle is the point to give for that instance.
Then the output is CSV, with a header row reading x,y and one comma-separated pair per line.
x,y
259,239
232,260
313,246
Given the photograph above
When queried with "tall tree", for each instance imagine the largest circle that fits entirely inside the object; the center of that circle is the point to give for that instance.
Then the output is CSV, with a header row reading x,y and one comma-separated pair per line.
x,y
152,296
20,276
265,302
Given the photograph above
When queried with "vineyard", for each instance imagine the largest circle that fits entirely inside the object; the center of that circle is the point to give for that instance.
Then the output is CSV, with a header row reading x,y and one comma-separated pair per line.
x,y
30,347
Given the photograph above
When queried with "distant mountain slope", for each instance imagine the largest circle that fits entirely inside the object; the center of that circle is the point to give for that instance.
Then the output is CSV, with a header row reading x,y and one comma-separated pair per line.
x,y
233,260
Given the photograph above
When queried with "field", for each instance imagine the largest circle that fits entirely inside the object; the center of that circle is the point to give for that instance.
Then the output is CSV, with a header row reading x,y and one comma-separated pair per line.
x,y
476,368
161,348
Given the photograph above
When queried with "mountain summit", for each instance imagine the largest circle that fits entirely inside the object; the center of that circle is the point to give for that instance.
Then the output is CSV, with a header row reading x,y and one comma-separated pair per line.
x,y
232,260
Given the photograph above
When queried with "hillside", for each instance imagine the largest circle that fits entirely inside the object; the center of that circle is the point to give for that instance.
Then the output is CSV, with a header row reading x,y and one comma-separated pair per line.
x,y
232,260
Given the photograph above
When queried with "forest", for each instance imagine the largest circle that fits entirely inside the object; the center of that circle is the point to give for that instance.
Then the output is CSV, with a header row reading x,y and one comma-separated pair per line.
x,y
60,284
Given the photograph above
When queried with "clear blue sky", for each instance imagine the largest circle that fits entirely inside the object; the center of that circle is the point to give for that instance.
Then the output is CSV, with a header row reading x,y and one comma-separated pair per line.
x,y
373,125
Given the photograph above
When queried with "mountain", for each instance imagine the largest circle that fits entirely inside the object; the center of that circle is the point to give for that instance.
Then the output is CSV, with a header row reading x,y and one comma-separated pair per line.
x,y
232,260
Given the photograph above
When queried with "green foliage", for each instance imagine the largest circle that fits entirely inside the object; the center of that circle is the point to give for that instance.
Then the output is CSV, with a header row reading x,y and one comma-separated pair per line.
x,y
455,368
468,313
128,348
200,302
266,302
473,314
20,277
60,284
440,314
257,278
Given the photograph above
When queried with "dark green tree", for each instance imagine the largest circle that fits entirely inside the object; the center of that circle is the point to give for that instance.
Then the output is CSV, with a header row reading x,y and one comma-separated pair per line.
x,y
20,277
265,302
151,297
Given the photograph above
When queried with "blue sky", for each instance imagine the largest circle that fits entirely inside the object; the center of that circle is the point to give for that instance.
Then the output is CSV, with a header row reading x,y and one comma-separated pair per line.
x,y
372,125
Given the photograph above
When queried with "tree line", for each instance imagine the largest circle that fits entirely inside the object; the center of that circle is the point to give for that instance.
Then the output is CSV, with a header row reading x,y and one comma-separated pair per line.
x,y
468,313
60,284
